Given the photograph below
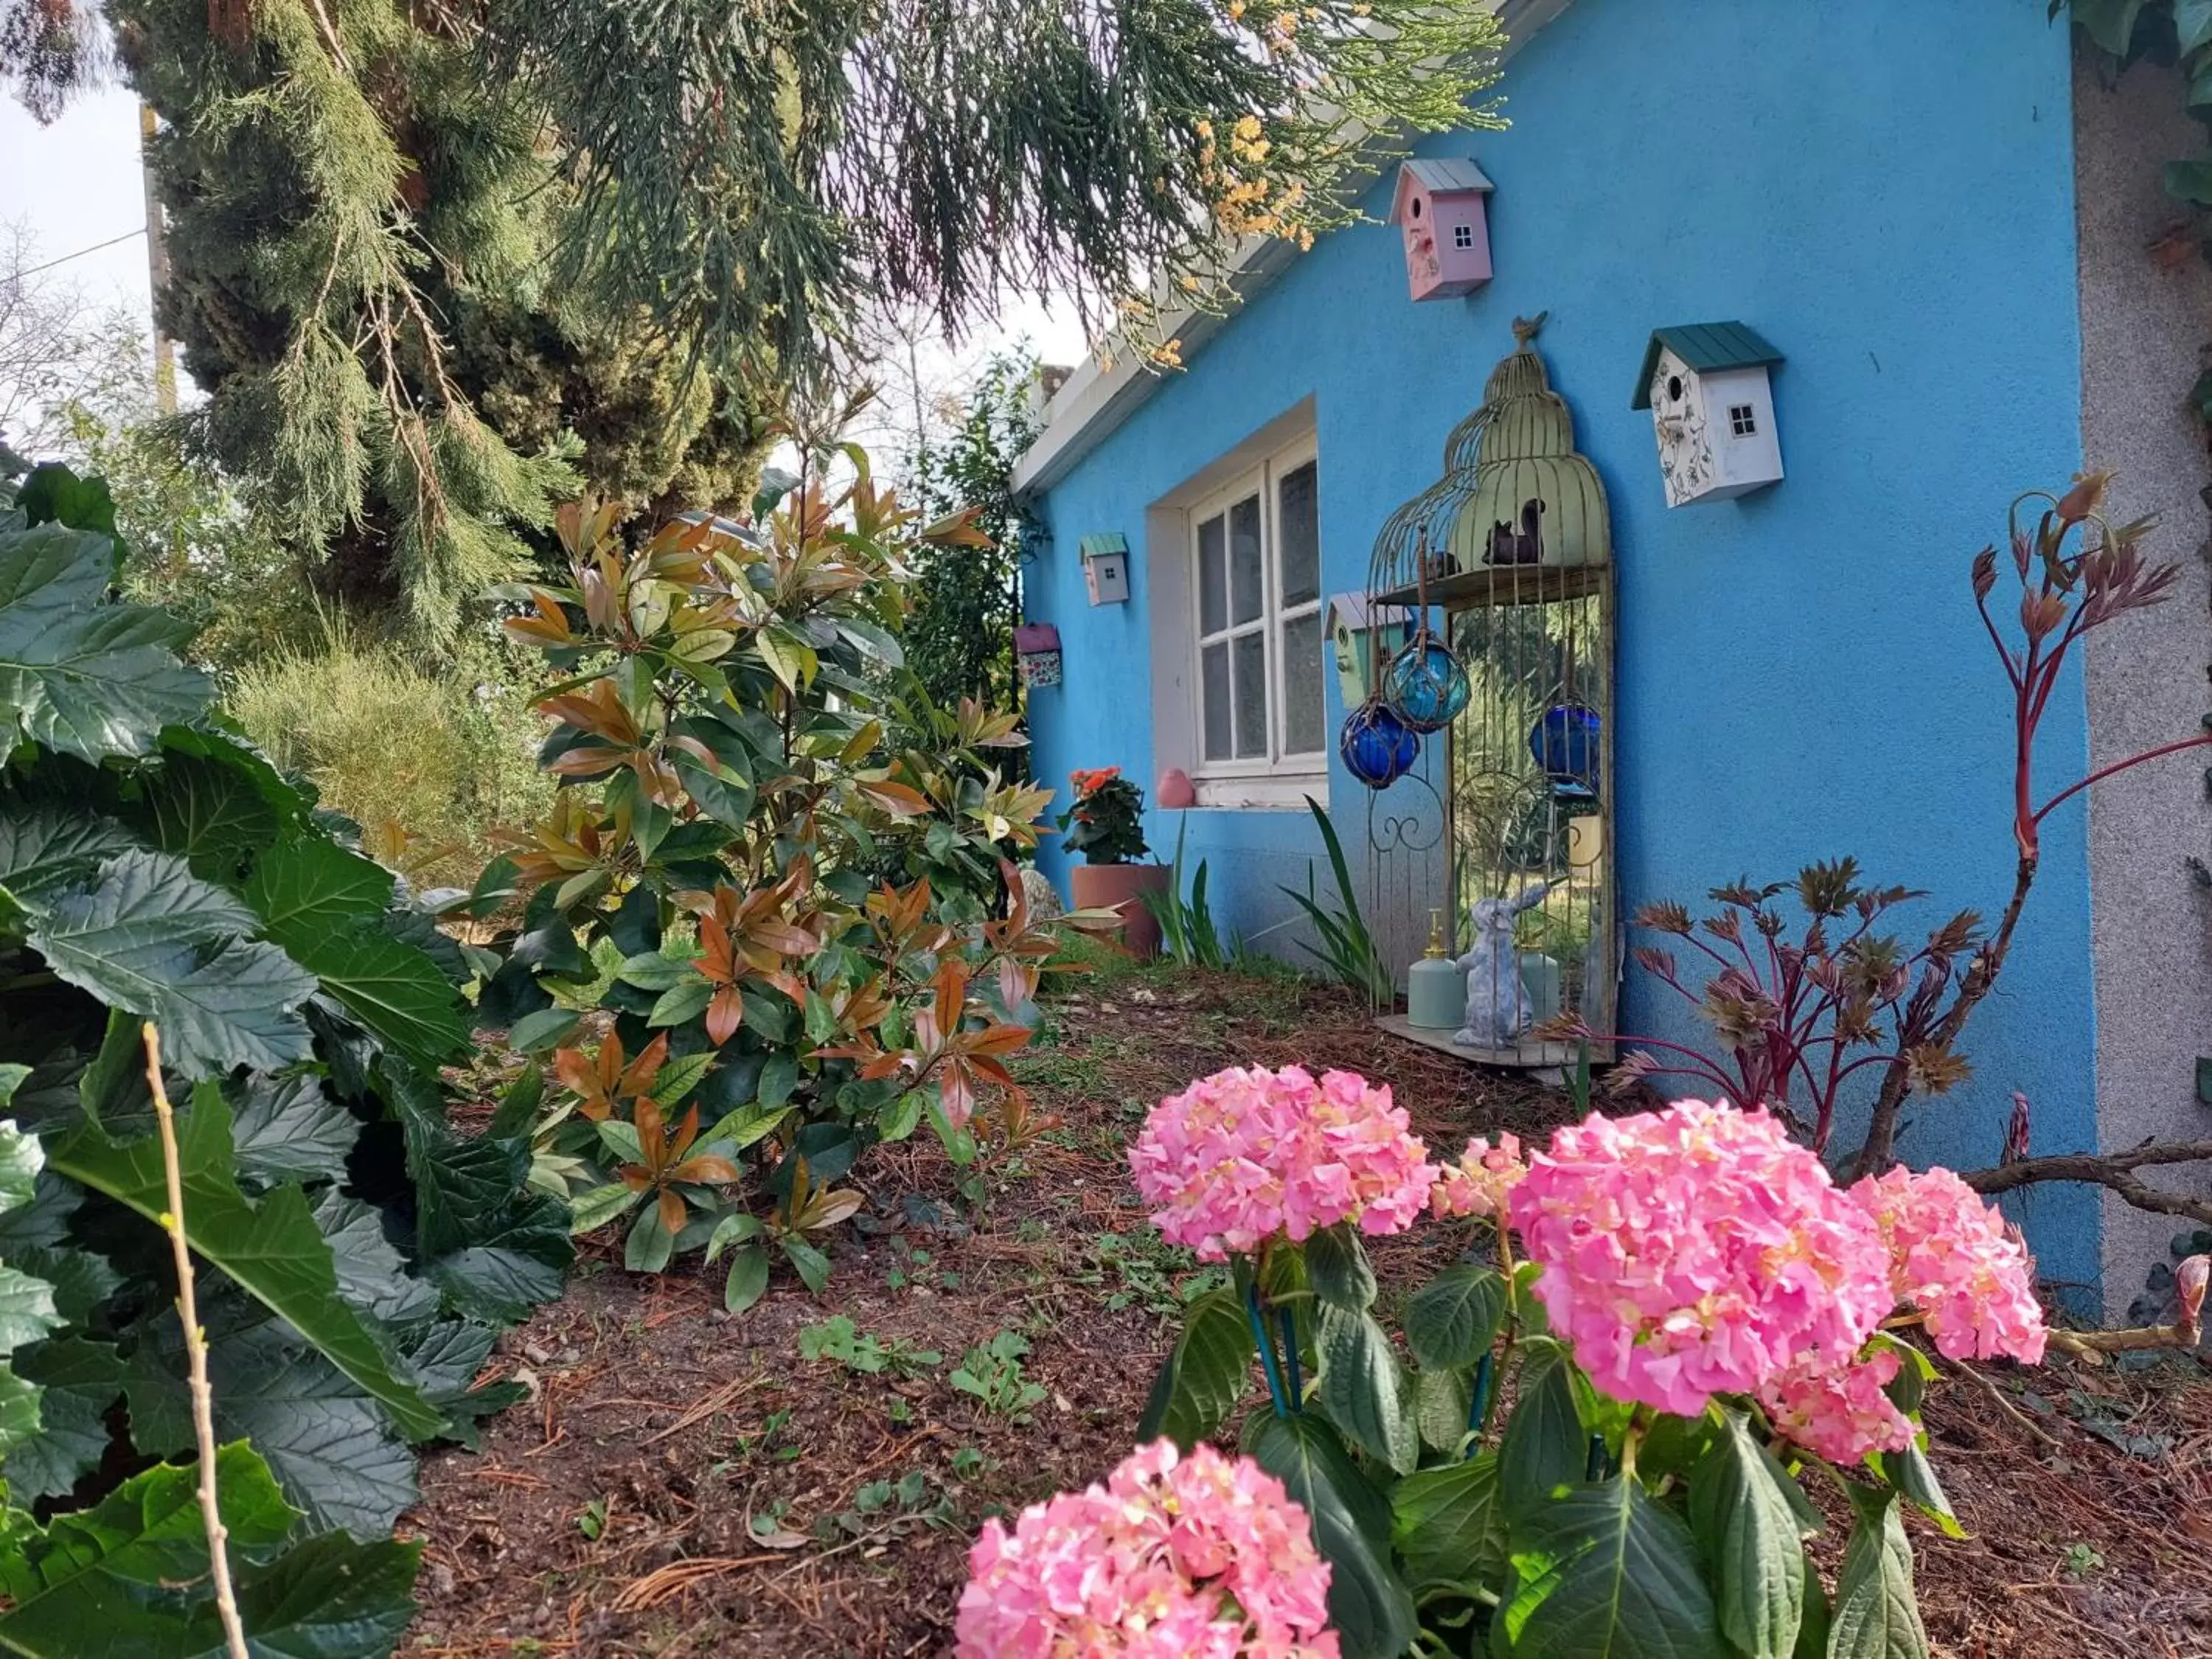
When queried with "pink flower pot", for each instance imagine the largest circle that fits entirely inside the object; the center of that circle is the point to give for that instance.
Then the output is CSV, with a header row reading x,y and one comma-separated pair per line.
x,y
1120,887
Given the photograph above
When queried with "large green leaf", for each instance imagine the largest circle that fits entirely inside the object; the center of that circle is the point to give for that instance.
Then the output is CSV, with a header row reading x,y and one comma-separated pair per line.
x,y
78,1380
46,846
307,883
208,813
1447,1528
76,674
127,1578
1453,1318
494,1245
372,1273
1603,1570
1749,1531
288,1128
328,1443
1363,1390
1876,1615
1368,1605
1206,1374
1545,1447
153,939
326,907
1339,1269
271,1248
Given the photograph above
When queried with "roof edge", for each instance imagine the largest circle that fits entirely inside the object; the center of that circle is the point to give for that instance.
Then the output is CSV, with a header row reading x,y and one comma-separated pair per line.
x,y
1095,402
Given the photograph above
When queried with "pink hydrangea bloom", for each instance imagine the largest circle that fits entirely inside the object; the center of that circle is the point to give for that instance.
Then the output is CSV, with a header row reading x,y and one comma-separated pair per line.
x,y
1839,1411
1480,1184
1173,1556
1953,1257
1248,1153
1696,1251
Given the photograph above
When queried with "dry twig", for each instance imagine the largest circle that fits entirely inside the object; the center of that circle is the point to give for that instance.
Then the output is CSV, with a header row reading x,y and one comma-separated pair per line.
x,y
172,1222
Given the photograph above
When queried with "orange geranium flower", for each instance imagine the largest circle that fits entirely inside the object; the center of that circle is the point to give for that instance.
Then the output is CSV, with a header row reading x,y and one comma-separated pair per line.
x,y
1089,780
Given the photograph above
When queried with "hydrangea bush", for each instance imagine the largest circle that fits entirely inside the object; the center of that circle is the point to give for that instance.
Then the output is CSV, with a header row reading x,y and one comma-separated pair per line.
x,y
1692,1321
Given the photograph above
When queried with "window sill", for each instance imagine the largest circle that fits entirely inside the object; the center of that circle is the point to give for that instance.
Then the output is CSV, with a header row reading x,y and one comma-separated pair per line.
x,y
1271,791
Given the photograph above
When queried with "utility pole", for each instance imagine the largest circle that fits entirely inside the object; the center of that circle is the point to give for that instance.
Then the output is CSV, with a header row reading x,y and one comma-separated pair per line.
x,y
157,265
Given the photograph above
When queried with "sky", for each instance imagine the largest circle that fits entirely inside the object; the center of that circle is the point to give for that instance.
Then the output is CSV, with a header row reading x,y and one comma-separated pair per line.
x,y
76,184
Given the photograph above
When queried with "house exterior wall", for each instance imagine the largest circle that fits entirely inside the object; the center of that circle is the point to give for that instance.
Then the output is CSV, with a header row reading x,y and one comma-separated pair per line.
x,y
2140,326
1800,673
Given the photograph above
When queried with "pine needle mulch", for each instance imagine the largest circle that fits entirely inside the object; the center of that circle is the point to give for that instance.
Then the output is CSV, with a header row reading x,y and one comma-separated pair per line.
x,y
684,1483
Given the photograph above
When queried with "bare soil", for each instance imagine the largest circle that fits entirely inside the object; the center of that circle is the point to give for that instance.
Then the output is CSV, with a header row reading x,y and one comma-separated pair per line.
x,y
686,1483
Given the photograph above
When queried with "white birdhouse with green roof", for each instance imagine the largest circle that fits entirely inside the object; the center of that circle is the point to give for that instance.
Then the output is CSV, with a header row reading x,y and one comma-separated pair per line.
x,y
1712,409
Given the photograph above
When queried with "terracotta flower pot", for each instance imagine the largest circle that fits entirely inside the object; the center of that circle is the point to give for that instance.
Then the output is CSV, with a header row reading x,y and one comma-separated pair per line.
x,y
1120,887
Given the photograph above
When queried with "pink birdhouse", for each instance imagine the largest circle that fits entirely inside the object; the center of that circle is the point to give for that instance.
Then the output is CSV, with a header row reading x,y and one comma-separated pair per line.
x,y
1443,211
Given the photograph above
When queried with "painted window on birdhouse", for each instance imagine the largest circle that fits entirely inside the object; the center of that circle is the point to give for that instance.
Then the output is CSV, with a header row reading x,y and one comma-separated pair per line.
x,y
1742,421
1462,235
1256,545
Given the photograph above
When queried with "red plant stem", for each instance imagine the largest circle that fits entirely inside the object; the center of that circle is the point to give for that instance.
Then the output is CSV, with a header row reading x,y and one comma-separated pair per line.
x,y
2103,772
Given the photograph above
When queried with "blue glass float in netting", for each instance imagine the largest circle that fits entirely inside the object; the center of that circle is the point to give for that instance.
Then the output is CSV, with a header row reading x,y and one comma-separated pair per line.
x,y
1565,742
1426,684
1376,745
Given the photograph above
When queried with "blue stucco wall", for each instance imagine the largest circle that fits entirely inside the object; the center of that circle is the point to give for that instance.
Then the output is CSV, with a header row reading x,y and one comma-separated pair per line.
x,y
1885,190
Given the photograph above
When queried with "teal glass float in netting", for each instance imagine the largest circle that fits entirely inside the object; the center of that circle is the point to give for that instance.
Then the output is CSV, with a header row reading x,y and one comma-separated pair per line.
x,y
1565,743
1424,684
1376,746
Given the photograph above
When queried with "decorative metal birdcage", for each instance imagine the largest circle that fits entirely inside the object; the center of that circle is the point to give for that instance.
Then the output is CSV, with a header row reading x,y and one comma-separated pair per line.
x,y
1505,564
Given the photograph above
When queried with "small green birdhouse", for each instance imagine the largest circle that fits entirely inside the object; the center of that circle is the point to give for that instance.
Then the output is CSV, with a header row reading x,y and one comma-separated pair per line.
x,y
1363,633
1106,568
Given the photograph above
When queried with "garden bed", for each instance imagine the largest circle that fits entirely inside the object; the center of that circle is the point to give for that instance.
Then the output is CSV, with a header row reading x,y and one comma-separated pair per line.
x,y
686,1483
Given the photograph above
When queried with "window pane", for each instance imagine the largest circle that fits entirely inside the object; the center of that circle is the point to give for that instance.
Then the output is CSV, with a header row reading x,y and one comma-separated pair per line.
x,y
1212,579
1244,592
1299,527
1303,717
1251,695
1213,673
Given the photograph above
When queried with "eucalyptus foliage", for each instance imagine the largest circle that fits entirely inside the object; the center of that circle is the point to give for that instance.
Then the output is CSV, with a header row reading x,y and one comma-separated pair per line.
x,y
357,1256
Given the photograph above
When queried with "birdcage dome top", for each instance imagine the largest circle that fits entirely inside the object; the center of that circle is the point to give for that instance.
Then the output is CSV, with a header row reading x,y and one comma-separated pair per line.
x,y
1515,494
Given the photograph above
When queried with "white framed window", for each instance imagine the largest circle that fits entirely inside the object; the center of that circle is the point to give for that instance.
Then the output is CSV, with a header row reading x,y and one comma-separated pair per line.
x,y
1462,235
1743,422
1254,551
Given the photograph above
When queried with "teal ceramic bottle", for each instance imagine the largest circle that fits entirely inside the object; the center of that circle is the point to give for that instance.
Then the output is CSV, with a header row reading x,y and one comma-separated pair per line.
x,y
1436,996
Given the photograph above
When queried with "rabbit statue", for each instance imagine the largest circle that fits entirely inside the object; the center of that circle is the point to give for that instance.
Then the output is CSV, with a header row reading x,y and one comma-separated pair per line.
x,y
1497,1010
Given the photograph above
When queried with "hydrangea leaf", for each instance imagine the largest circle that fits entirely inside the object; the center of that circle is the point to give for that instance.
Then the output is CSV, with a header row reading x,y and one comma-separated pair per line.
x,y
1447,1528
1749,1531
1362,1387
1205,1376
1452,1320
1876,1615
1603,1569
1368,1605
